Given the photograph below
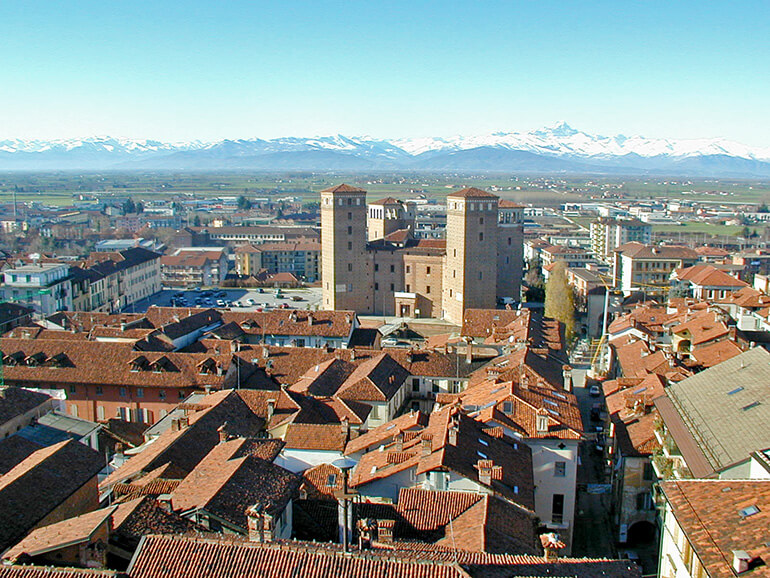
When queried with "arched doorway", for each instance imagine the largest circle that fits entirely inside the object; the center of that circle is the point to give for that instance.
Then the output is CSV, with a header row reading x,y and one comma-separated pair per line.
x,y
642,533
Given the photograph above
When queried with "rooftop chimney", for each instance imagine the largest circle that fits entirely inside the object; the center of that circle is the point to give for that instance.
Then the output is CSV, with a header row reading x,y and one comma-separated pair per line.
x,y
222,433
453,429
385,530
426,443
542,421
567,375
469,351
310,319
260,524
741,561
270,410
184,422
551,546
485,468
174,424
345,426
399,442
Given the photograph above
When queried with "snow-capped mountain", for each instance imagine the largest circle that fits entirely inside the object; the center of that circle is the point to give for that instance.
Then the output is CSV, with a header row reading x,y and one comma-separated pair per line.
x,y
558,148
563,140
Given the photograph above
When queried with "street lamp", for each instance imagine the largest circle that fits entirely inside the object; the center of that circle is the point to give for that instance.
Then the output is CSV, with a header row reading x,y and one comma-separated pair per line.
x,y
344,514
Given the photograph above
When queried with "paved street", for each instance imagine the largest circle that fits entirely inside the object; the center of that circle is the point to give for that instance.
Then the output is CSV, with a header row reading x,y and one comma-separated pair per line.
x,y
592,535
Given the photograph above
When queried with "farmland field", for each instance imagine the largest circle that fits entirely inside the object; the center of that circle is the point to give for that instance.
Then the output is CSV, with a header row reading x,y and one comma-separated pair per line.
x,y
60,188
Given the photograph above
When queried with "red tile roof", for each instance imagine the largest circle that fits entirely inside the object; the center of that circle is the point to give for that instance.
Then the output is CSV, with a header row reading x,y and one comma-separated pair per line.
x,y
472,193
41,483
343,188
59,535
229,480
709,513
708,276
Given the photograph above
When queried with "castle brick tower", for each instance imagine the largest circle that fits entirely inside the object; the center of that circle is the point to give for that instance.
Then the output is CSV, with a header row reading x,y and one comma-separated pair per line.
x,y
388,215
470,272
510,250
346,267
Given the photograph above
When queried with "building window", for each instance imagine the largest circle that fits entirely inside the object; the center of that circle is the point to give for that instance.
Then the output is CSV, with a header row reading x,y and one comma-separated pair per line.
x,y
162,394
331,480
408,288
392,268
481,220
376,267
557,509
560,469
122,392
427,270
392,287
99,390
509,241
408,269
73,388
350,266
454,252
180,394
481,236
139,392
415,385
100,412
648,471
376,286
507,407
350,216
481,275
350,246
350,230
427,289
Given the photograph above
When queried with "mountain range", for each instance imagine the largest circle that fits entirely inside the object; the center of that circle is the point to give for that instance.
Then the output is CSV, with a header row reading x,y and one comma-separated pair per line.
x,y
555,149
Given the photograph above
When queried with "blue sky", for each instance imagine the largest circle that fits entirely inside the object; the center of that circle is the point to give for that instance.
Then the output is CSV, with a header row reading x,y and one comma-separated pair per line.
x,y
232,69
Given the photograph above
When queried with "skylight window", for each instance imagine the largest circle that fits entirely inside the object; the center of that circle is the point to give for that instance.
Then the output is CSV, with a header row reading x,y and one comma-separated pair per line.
x,y
736,390
552,412
481,455
390,427
497,390
560,396
751,405
552,402
483,442
749,511
640,390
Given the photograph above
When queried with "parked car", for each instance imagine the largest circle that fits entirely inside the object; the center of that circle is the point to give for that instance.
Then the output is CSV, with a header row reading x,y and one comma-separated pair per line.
x,y
220,303
296,298
250,301
594,391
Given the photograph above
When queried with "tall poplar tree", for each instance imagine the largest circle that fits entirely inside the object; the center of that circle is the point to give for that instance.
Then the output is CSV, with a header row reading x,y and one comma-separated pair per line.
x,y
559,301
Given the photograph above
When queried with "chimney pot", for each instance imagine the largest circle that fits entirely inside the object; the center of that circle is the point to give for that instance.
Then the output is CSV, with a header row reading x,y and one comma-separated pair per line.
x,y
427,445
741,561
453,435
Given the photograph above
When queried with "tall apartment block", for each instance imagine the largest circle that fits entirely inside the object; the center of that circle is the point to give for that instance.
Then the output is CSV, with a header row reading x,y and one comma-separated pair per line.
x,y
373,264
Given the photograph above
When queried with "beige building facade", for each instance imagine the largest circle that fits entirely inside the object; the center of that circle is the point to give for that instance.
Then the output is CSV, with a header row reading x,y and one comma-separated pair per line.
x,y
373,264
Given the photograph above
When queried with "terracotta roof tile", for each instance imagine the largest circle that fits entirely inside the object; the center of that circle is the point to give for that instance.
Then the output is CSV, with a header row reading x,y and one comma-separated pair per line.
x,y
41,483
709,513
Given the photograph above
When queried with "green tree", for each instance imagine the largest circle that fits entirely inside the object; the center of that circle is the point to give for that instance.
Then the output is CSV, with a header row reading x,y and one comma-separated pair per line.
x,y
559,300
244,204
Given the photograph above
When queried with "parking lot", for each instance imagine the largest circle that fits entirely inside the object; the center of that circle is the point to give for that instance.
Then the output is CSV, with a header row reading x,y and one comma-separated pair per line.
x,y
236,299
